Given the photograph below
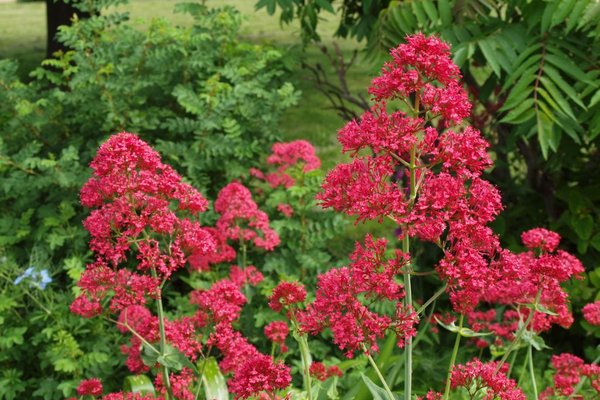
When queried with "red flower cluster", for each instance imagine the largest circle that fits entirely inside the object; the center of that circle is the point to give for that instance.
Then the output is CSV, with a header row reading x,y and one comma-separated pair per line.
x,y
591,313
286,294
258,374
543,268
322,373
131,192
426,178
569,371
475,376
90,387
276,332
287,155
219,307
338,300
241,219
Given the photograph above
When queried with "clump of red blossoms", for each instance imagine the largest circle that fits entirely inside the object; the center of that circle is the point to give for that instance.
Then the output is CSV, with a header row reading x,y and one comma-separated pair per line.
x,y
570,369
591,313
131,192
259,374
276,332
241,220
338,306
285,156
321,372
286,294
482,380
90,387
424,168
537,273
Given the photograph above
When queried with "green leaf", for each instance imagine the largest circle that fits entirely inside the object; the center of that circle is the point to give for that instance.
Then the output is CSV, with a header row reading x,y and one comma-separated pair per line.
x,y
149,356
582,225
595,241
595,99
546,135
564,86
567,66
378,392
536,341
543,309
138,384
490,55
325,5
213,380
419,12
445,11
523,112
430,10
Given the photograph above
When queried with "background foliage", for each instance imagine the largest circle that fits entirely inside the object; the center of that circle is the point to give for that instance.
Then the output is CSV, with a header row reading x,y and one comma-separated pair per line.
x,y
532,69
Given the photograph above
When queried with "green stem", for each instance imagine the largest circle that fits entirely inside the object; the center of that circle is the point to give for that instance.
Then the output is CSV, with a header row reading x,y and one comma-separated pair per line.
x,y
304,354
432,299
453,358
408,343
378,372
532,372
520,332
163,341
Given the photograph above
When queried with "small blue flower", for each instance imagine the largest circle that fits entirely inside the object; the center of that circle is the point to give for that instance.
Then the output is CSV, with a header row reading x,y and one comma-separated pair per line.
x,y
36,278
45,279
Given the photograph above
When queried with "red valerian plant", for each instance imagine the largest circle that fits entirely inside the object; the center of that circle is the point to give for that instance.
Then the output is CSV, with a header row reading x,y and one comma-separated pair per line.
x,y
415,162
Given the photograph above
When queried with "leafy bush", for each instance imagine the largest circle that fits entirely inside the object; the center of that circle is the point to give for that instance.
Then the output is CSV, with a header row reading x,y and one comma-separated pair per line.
x,y
208,99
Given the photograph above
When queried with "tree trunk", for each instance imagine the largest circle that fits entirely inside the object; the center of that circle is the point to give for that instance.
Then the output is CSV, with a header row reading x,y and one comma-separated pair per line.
x,y
58,13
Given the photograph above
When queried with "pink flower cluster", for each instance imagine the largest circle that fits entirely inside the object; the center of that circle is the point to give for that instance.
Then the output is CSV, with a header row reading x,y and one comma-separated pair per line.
x,y
423,176
285,156
131,192
591,313
482,381
370,276
219,308
321,372
241,220
276,332
542,269
570,369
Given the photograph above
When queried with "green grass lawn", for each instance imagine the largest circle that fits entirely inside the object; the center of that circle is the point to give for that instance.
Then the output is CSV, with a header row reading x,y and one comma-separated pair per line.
x,y
23,36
